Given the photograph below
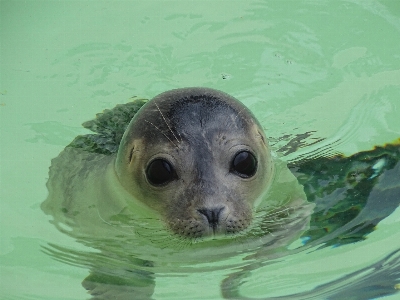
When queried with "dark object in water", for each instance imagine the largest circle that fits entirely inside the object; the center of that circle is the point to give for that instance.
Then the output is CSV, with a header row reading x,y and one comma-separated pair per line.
x,y
342,187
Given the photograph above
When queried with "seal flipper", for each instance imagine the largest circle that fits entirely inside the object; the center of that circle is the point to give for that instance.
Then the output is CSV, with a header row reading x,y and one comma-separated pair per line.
x,y
138,285
108,127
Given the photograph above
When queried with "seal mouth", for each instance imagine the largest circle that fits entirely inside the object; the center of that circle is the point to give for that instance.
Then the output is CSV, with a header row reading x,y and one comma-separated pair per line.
x,y
211,223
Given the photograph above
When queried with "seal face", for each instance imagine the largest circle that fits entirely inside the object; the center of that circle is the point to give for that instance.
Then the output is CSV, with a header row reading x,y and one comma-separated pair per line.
x,y
199,158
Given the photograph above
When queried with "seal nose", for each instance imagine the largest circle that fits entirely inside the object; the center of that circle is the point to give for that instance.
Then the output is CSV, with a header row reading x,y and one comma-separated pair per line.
x,y
212,215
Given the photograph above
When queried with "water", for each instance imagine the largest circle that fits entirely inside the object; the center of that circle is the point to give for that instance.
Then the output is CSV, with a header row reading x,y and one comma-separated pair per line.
x,y
328,67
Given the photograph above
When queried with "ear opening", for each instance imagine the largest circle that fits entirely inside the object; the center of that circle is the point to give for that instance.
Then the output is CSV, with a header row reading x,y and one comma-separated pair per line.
x,y
131,154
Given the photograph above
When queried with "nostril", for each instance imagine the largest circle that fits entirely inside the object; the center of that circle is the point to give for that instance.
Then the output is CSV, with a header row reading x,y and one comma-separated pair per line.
x,y
212,215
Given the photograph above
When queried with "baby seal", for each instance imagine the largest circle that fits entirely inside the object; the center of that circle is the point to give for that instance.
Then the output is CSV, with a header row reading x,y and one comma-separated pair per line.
x,y
198,157
193,162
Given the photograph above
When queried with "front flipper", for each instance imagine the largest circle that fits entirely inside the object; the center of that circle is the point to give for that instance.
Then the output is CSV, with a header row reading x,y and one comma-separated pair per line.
x,y
134,284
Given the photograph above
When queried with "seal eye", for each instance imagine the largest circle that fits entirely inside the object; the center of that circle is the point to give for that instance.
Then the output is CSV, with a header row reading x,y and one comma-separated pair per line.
x,y
244,164
159,172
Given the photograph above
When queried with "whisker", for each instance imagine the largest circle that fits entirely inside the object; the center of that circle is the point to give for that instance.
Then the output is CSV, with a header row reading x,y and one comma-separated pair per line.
x,y
167,123
238,114
162,133
116,225
275,213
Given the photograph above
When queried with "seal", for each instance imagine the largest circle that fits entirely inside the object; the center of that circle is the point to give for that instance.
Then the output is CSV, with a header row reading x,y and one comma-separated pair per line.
x,y
199,157
194,162
190,168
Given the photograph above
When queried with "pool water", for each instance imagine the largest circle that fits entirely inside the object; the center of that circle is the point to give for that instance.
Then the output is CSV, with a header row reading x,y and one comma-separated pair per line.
x,y
331,69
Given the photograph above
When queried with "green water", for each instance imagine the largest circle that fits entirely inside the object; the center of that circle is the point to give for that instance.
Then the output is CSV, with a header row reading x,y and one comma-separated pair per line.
x,y
332,67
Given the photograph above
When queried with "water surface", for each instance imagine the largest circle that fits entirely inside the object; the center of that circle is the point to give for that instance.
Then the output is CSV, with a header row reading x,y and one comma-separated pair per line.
x,y
330,68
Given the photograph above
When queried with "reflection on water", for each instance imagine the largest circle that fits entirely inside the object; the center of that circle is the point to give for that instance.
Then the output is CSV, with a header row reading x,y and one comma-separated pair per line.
x,y
132,247
377,280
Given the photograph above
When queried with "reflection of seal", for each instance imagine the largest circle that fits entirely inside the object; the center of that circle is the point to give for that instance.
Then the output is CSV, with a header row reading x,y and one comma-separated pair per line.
x,y
199,158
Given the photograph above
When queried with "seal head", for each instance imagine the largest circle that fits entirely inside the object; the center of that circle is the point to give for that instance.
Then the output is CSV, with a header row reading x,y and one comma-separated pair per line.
x,y
199,158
